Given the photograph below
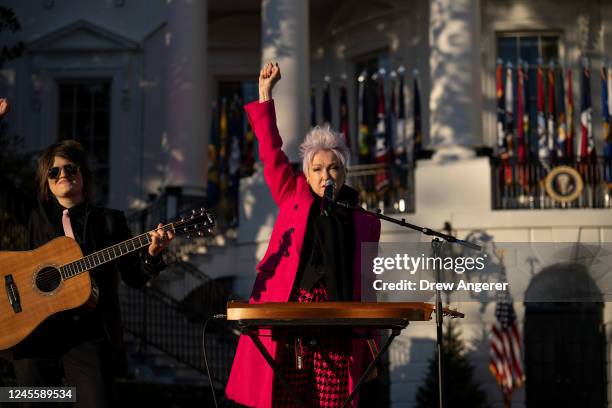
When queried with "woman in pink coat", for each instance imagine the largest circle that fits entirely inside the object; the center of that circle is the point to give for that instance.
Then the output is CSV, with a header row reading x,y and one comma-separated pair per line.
x,y
313,256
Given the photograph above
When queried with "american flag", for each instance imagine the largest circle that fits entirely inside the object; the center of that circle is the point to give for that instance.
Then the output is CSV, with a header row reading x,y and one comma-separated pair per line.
x,y
506,357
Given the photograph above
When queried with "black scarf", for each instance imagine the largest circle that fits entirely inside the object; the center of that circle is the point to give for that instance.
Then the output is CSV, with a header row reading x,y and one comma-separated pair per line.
x,y
329,247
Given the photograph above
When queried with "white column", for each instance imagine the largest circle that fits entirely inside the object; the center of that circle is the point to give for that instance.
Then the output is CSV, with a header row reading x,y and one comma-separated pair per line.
x,y
186,104
455,64
284,38
454,179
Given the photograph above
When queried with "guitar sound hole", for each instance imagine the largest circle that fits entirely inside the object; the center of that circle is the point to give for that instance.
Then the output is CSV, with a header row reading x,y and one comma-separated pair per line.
x,y
48,279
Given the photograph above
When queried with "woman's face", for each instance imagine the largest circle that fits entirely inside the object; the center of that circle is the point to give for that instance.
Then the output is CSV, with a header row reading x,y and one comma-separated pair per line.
x,y
65,185
325,166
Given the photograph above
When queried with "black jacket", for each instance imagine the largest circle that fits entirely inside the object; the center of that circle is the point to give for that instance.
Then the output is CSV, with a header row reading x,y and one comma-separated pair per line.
x,y
104,227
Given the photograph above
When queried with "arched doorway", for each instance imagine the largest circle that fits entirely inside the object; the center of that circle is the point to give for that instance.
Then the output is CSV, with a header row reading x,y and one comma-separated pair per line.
x,y
565,343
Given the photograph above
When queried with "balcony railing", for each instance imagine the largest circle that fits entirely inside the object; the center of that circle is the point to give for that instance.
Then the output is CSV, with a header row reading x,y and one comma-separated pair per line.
x,y
524,185
389,187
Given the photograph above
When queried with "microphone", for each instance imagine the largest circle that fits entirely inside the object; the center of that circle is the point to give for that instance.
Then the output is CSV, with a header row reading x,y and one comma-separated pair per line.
x,y
328,198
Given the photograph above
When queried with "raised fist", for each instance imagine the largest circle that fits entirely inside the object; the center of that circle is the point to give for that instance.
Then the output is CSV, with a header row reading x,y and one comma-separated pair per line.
x,y
268,77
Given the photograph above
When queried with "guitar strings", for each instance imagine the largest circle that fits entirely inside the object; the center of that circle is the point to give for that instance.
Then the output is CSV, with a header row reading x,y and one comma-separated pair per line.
x,y
168,227
62,268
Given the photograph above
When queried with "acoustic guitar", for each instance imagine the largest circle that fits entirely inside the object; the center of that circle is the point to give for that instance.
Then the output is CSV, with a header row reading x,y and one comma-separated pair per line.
x,y
55,277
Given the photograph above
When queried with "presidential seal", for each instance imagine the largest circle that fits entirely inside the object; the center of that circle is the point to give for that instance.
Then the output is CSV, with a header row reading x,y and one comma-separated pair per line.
x,y
564,184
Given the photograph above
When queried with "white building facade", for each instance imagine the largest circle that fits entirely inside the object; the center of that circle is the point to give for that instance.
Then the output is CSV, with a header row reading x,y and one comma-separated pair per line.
x,y
136,80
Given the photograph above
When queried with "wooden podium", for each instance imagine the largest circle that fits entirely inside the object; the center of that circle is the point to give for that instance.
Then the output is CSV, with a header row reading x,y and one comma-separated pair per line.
x,y
349,316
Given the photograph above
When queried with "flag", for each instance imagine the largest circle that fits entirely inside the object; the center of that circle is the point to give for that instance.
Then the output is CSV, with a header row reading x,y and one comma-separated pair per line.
x,y
223,144
223,122
344,118
610,92
520,115
509,94
561,119
382,150
606,118
523,128
509,124
502,150
505,349
543,152
569,144
417,137
550,116
400,143
605,110
526,112
586,148
327,111
364,131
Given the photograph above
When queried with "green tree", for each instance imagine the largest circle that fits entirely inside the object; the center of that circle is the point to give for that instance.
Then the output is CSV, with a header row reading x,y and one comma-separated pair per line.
x,y
15,165
9,22
460,390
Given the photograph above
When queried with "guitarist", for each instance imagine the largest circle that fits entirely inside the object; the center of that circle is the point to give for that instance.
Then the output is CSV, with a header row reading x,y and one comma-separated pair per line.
x,y
84,346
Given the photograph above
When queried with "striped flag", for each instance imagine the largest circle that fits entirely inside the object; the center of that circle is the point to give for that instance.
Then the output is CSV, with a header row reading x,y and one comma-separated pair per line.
x,y
506,348
526,111
561,120
569,145
382,150
502,151
344,118
550,122
520,115
509,111
543,152
586,148
605,110
606,119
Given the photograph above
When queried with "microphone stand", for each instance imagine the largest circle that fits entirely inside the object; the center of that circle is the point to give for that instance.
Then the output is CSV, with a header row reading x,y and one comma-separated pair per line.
x,y
436,245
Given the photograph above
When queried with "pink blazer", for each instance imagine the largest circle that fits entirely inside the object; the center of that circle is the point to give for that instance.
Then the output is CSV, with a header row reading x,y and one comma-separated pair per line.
x,y
251,378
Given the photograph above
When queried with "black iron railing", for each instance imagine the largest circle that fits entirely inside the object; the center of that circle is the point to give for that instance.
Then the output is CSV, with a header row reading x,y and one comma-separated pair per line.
x,y
389,187
528,185
157,320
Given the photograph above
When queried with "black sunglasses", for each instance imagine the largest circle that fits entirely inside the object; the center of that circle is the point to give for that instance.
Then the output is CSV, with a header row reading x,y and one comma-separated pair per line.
x,y
69,169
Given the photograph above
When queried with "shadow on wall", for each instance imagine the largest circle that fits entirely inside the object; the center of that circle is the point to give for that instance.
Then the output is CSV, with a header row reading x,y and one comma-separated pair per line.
x,y
279,28
450,79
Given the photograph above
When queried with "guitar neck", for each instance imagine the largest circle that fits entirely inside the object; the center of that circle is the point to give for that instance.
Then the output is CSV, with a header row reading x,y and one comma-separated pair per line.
x,y
108,254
